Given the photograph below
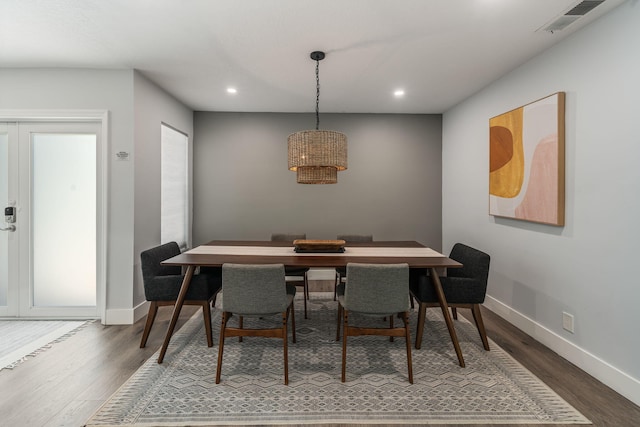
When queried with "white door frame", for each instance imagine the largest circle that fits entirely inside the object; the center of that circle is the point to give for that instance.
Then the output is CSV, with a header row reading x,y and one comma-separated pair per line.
x,y
101,117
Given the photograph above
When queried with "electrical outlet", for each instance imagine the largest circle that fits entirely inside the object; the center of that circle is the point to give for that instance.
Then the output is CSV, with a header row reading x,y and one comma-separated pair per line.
x,y
567,321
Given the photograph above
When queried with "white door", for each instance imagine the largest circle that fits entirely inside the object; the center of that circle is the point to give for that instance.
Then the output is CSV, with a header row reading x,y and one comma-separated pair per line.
x,y
49,255
8,240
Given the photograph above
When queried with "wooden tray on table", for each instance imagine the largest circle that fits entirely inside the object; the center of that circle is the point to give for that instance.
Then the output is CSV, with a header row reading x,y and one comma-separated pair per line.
x,y
318,246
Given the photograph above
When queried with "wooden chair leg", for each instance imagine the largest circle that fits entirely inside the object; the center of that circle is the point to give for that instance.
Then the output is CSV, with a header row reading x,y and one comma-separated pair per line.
x,y
454,312
206,313
293,322
477,316
306,285
338,322
240,325
405,319
284,351
337,280
151,316
391,332
225,317
345,332
305,294
422,314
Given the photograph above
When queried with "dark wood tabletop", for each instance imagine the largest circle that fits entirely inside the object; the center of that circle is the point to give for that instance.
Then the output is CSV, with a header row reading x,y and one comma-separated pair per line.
x,y
309,259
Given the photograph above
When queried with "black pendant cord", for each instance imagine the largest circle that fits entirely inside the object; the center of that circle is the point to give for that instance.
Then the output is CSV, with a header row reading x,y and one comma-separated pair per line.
x,y
317,94
317,56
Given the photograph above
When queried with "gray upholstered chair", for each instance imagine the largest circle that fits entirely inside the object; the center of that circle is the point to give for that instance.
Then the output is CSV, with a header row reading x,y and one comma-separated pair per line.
x,y
162,285
464,287
256,291
341,272
298,274
375,290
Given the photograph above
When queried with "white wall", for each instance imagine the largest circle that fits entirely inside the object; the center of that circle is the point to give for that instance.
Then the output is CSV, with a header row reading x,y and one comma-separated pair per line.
x,y
586,268
77,89
153,106
136,108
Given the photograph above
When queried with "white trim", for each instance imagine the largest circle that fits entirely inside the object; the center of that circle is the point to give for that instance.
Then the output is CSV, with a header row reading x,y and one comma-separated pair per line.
x,y
118,316
52,115
140,310
104,212
126,316
609,375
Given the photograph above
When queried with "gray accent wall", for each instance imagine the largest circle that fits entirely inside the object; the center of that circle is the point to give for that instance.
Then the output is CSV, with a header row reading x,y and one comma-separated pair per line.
x,y
242,188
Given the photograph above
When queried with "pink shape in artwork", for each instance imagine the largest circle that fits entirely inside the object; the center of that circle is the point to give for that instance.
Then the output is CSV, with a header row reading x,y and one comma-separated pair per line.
x,y
540,202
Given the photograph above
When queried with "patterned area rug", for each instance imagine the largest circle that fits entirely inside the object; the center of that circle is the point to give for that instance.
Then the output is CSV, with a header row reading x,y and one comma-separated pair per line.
x,y
492,389
21,339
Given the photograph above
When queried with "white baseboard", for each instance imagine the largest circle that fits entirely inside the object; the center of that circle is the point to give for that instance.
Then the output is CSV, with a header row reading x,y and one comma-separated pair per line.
x,y
140,310
126,316
118,316
621,382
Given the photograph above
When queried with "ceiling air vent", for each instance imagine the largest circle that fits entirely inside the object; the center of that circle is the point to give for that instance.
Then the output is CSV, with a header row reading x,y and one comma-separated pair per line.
x,y
575,13
584,7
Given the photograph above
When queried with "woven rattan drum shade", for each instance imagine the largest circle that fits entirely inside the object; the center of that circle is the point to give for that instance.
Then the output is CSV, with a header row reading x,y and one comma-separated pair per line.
x,y
317,156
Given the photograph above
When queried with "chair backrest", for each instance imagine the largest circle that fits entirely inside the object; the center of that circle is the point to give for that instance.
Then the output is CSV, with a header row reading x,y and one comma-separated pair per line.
x,y
355,238
284,237
377,288
252,289
151,258
475,263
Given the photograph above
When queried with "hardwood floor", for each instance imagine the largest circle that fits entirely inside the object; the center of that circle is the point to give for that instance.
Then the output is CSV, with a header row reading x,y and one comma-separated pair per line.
x,y
67,383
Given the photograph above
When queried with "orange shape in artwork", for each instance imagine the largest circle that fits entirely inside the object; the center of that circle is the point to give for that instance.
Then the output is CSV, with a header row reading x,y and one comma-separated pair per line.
x,y
501,147
506,174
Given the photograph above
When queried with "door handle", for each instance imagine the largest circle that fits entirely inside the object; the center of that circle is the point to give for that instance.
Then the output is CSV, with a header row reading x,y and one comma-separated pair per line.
x,y
9,228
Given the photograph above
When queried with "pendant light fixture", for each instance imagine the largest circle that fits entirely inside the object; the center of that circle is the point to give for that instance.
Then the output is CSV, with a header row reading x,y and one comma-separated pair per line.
x,y
317,155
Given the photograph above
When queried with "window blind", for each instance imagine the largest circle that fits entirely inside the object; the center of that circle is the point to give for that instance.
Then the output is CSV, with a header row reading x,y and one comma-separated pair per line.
x,y
174,183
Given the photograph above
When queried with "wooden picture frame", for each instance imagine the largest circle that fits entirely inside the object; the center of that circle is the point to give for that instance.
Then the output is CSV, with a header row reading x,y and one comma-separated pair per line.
x,y
526,162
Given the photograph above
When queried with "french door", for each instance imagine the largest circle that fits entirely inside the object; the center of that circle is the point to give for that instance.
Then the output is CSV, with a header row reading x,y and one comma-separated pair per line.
x,y
49,243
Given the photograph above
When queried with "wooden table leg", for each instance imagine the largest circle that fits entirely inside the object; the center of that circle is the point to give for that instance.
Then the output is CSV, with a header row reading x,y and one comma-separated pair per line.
x,y
176,310
445,312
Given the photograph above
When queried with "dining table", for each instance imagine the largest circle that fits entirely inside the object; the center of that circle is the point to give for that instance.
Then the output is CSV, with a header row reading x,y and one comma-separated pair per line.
x,y
218,252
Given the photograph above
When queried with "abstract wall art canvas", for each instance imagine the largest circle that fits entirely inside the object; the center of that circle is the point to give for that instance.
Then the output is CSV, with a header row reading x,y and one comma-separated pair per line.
x,y
526,162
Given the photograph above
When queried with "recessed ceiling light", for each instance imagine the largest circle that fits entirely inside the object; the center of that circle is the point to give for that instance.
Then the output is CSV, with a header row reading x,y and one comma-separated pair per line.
x,y
232,90
398,93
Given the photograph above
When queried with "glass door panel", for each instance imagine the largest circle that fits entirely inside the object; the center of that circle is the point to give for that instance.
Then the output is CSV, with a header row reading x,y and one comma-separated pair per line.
x,y
63,219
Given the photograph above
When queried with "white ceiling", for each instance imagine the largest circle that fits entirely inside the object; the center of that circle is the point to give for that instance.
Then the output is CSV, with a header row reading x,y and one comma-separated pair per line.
x,y
438,51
